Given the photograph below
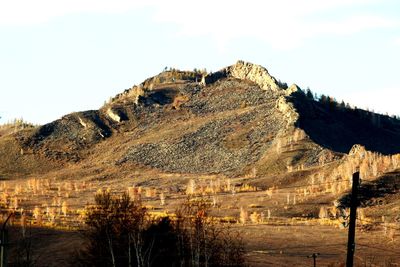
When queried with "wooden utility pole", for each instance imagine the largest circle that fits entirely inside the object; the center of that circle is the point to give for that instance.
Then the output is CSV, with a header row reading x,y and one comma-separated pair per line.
x,y
314,256
351,245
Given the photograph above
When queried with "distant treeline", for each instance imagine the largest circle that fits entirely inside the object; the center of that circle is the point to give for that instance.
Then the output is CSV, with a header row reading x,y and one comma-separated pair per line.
x,y
332,103
18,123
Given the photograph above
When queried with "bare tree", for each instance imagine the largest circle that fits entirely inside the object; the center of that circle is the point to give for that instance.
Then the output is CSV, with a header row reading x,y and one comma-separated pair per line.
x,y
121,233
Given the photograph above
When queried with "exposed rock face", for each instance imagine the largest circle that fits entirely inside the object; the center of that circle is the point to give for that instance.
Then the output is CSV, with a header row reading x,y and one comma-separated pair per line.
x,y
135,93
115,117
82,122
287,109
357,150
255,73
251,72
131,95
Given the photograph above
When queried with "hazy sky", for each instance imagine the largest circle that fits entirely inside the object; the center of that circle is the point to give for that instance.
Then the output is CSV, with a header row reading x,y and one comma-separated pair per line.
x,y
58,57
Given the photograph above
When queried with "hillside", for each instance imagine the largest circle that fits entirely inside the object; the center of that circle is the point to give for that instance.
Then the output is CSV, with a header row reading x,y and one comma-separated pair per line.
x,y
234,122
239,130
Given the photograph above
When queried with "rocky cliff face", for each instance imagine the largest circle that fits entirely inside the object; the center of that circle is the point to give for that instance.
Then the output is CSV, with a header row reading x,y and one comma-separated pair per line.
x,y
250,72
255,73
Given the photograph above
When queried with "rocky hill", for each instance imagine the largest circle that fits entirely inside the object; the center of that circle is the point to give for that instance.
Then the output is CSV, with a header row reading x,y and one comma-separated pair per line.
x,y
237,122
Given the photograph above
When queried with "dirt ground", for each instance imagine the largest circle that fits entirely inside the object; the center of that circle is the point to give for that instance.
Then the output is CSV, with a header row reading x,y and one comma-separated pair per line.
x,y
265,244
269,245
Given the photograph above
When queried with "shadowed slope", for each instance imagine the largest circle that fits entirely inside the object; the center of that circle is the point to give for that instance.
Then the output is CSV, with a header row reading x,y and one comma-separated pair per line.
x,y
339,128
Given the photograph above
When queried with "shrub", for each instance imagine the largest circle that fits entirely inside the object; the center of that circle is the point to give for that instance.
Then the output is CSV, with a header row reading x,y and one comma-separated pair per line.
x,y
114,228
122,233
203,241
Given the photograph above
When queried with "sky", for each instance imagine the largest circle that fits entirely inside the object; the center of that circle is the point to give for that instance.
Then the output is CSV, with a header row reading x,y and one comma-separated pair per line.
x,y
58,57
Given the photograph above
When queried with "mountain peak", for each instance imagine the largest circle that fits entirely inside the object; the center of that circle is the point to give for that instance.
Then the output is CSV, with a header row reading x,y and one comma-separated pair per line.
x,y
255,73
248,71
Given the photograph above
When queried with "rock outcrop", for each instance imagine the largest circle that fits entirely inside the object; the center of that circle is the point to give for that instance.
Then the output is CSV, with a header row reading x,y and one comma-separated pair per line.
x,y
357,150
115,117
292,89
255,73
287,110
251,72
130,95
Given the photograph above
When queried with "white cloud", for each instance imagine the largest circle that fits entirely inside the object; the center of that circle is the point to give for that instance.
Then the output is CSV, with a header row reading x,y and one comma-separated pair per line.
x,y
397,41
27,12
282,24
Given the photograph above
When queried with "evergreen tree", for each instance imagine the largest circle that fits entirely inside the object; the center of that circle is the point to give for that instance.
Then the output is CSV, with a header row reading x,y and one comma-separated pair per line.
x,y
342,105
309,93
323,99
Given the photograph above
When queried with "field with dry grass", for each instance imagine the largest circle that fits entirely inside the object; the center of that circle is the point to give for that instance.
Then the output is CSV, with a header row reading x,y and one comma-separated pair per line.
x,y
279,226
